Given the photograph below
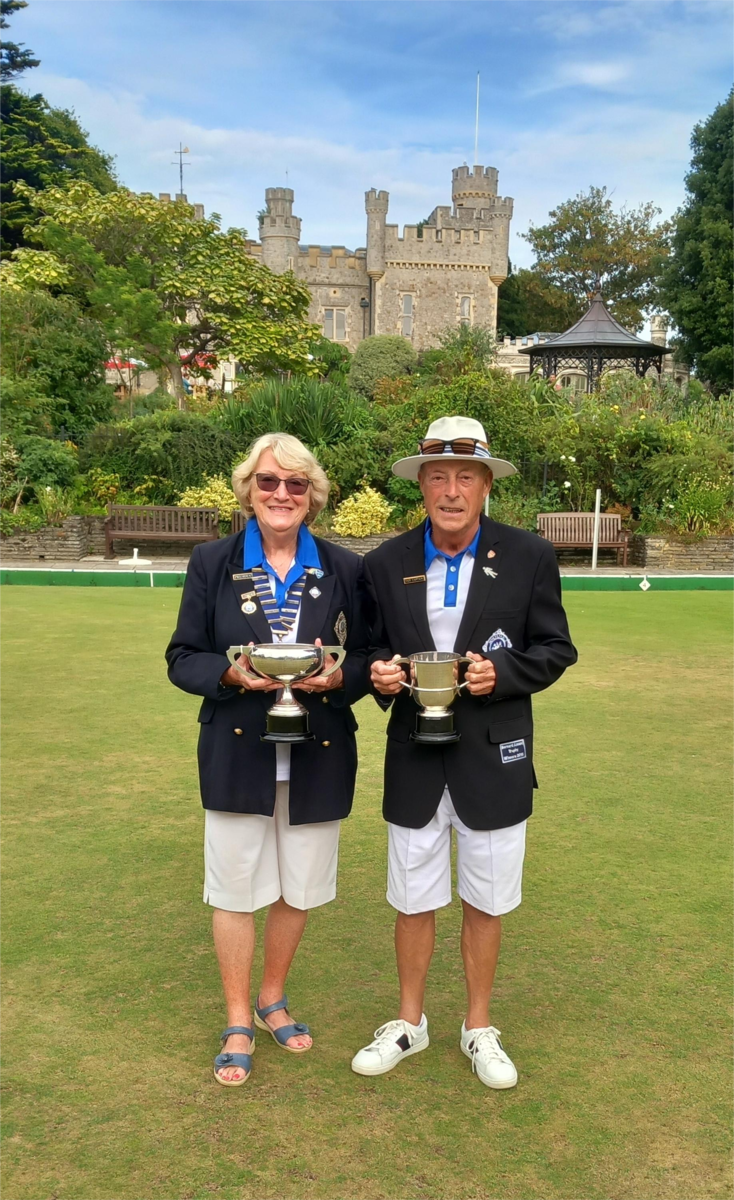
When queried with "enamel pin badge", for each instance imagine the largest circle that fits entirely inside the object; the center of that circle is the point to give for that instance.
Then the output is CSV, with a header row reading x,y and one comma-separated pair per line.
x,y
489,571
340,628
315,592
249,606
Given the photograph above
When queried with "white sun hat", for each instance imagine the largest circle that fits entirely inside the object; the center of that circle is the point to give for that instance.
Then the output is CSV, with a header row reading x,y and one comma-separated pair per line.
x,y
454,429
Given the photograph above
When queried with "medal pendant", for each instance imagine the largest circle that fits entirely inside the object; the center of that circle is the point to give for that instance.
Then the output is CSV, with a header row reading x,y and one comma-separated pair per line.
x,y
249,608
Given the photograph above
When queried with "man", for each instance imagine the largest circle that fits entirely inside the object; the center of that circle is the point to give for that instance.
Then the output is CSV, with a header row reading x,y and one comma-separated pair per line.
x,y
460,582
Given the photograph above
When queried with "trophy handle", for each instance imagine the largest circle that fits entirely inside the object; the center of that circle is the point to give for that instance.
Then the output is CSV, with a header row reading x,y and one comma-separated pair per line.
x,y
396,662
340,654
463,659
233,654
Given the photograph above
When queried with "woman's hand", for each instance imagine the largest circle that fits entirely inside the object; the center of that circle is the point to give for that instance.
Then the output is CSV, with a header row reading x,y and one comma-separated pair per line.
x,y
234,678
481,676
323,683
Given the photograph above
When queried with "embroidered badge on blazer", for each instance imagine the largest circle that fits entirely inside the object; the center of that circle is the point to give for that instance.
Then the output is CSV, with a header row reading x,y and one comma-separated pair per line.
x,y
340,628
497,641
513,751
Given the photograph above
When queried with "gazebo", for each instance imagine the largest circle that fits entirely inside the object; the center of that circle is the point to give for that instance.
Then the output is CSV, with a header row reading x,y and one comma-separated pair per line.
x,y
593,345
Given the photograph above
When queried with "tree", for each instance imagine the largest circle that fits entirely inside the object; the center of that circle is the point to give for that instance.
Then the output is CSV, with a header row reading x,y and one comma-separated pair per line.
x,y
528,303
696,285
385,356
587,245
168,287
13,58
42,147
460,351
53,360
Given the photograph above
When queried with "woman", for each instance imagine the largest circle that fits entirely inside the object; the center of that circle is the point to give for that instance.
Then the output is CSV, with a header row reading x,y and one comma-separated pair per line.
x,y
272,811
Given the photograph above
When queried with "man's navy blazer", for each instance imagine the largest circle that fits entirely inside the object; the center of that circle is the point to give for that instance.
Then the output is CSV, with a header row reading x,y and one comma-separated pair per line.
x,y
236,769
515,588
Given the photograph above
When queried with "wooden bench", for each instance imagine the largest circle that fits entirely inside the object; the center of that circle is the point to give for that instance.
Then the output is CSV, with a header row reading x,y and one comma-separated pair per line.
x,y
159,523
575,531
239,520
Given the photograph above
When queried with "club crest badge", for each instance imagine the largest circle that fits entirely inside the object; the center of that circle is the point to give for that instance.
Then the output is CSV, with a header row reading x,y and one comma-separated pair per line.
x,y
315,592
498,641
340,628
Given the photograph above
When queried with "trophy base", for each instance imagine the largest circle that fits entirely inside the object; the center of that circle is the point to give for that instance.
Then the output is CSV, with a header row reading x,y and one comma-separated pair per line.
x,y
289,728
435,731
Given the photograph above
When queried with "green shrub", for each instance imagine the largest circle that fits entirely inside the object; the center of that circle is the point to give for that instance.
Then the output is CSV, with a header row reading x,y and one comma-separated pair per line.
x,y
45,463
27,520
361,514
170,450
381,357
702,507
320,414
213,493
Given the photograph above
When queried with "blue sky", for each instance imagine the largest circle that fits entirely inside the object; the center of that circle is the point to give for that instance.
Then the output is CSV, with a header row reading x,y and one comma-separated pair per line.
x,y
344,95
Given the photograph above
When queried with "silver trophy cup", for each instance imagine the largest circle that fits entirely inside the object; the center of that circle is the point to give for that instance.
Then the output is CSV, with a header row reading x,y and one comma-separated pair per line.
x,y
434,684
287,720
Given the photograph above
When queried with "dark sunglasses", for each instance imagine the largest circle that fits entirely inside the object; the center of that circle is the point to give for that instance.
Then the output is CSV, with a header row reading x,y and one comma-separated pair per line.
x,y
271,483
466,446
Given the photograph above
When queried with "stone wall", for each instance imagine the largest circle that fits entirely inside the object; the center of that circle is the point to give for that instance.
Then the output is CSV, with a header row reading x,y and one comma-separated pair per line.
x,y
67,542
679,554
359,545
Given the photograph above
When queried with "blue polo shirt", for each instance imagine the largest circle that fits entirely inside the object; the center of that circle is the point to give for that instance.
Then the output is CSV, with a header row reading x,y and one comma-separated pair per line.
x,y
452,563
307,555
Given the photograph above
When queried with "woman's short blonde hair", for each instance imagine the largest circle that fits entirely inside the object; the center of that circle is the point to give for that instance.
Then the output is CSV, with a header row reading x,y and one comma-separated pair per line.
x,y
291,455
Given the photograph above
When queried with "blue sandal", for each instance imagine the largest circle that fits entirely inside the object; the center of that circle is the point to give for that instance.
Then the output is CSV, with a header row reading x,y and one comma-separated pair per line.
x,y
286,1031
227,1059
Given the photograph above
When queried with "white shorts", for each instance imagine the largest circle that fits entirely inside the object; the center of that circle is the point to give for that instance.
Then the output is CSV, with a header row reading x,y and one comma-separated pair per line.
x,y
251,861
488,862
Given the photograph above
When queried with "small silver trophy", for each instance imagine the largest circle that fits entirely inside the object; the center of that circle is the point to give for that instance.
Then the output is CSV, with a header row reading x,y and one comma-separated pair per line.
x,y
287,720
434,685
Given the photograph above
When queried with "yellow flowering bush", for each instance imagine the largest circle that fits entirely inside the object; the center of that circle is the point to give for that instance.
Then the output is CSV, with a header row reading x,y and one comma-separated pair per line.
x,y
361,514
214,492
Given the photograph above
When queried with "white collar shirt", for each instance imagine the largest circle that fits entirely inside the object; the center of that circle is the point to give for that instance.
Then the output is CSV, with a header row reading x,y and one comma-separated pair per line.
x,y
444,622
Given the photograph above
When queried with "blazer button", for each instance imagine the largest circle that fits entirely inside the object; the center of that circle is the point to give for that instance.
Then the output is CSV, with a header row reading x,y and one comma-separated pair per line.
x,y
238,731
324,699
242,691
326,743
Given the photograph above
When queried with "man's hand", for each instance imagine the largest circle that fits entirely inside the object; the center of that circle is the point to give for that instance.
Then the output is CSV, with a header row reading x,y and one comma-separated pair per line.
x,y
386,676
481,676
323,683
234,678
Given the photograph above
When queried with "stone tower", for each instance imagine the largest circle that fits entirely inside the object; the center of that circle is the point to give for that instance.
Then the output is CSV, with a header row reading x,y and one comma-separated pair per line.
x,y
280,231
473,189
376,206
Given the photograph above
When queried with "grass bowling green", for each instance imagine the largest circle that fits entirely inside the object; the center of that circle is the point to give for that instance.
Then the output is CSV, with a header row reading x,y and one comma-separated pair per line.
x,y
613,991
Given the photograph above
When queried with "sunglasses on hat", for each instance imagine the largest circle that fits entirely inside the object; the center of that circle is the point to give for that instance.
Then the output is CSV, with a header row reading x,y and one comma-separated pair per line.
x,y
461,446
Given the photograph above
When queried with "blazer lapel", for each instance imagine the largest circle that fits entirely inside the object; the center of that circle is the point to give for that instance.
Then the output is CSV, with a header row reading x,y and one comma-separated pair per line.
x,y
482,582
315,609
414,566
255,626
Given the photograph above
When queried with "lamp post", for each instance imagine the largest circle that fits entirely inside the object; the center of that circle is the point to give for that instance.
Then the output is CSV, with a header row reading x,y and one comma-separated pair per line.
x,y
364,305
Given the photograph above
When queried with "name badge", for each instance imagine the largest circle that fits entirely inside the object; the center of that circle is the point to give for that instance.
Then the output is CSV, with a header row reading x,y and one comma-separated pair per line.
x,y
513,751
243,575
414,579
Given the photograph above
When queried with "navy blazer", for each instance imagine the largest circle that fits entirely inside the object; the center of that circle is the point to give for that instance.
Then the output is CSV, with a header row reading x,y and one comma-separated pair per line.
x,y
515,587
237,769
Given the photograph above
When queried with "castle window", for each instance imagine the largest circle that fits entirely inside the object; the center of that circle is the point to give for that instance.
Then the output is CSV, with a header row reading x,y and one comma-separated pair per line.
x,y
406,325
477,235
457,235
335,324
465,310
439,235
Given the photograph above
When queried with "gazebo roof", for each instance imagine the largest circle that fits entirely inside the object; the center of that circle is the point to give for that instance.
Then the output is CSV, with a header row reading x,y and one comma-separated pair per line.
x,y
597,329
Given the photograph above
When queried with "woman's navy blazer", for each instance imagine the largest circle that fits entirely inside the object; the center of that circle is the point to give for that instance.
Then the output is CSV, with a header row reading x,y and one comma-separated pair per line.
x,y
237,769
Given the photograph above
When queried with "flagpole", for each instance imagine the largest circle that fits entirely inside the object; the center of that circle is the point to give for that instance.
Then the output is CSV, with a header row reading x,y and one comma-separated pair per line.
x,y
476,126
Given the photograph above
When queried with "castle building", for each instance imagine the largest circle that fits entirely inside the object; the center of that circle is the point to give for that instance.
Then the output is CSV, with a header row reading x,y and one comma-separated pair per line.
x,y
442,272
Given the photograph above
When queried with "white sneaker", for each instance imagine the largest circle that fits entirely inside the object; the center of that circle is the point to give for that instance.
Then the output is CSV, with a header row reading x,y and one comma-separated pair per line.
x,y
393,1042
493,1066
